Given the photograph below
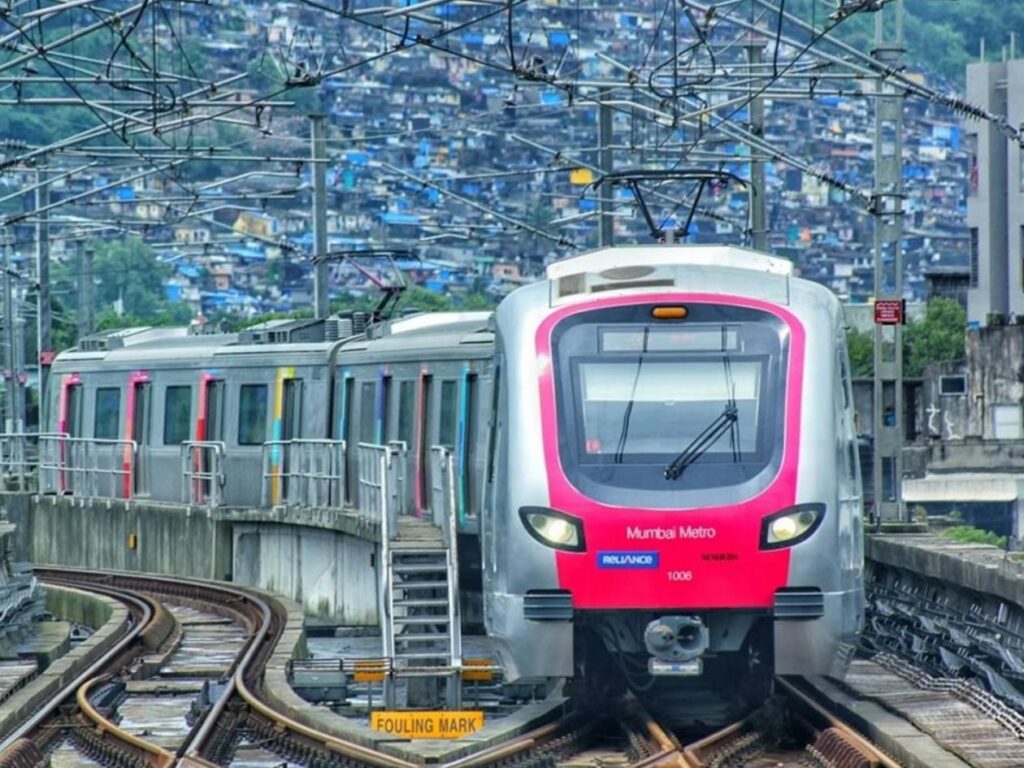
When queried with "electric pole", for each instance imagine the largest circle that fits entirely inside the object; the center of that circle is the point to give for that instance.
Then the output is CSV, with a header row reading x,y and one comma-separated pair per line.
x,y
888,213
10,396
44,338
606,234
319,154
85,256
758,193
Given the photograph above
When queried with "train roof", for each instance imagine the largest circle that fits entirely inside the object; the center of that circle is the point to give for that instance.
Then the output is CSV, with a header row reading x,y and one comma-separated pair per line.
x,y
417,333
632,260
700,268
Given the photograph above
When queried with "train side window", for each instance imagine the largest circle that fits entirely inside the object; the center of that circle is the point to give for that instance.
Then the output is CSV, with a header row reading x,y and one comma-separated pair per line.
x,y
108,413
177,414
252,414
406,407
367,415
447,429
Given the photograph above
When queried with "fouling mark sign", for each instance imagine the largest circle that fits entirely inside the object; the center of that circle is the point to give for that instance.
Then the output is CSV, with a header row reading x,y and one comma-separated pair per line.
x,y
427,725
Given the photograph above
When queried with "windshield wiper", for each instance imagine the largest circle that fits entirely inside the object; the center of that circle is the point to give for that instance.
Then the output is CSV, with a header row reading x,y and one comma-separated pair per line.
x,y
725,422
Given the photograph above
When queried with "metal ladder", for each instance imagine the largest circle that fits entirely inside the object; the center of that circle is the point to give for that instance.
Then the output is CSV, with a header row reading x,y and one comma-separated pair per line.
x,y
422,622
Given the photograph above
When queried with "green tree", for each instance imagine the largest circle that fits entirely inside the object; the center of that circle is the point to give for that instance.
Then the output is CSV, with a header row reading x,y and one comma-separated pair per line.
x,y
861,345
937,337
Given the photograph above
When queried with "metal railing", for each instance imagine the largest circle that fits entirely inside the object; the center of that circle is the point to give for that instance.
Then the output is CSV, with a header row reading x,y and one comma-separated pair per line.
x,y
443,498
304,473
85,466
202,473
373,491
19,458
400,492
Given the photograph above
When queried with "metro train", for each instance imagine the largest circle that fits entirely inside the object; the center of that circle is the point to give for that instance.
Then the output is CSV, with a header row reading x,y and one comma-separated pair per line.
x,y
656,462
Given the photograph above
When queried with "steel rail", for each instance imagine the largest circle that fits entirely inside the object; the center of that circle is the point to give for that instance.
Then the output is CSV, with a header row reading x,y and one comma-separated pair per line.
x,y
850,734
132,630
158,756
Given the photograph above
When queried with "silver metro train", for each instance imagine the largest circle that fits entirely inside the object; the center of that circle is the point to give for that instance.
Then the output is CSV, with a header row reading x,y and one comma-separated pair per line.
x,y
654,448
675,483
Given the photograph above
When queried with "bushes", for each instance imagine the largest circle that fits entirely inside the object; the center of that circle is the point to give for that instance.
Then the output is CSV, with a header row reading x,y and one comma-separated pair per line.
x,y
968,534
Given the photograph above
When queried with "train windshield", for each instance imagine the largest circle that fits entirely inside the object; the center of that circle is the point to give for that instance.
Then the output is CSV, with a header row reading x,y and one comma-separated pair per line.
x,y
664,408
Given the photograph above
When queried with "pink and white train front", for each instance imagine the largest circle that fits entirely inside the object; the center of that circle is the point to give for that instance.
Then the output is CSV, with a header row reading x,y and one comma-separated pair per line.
x,y
673,486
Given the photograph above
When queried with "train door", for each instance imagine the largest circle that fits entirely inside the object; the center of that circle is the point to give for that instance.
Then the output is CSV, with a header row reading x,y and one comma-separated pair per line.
x,y
106,435
291,429
141,415
348,434
424,457
470,447
70,451
73,419
208,462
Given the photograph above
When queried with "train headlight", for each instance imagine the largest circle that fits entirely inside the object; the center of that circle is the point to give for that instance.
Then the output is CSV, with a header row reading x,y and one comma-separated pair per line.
x,y
791,526
553,528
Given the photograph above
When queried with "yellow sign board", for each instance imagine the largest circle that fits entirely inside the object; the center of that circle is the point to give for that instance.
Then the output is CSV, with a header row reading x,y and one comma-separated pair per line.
x,y
479,675
427,725
580,176
370,671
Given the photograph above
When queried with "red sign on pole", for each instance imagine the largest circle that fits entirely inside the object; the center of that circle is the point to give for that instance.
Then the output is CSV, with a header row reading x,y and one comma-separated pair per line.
x,y
47,356
889,312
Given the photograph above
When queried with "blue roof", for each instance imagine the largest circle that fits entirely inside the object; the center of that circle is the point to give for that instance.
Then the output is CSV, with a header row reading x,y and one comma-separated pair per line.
x,y
558,37
247,252
400,218
191,271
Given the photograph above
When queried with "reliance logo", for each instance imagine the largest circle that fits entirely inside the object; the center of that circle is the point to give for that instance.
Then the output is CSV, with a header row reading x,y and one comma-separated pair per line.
x,y
627,559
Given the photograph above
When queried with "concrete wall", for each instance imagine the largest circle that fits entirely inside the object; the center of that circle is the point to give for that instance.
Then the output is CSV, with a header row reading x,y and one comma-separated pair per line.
x,y
74,532
325,562
987,200
1015,187
994,371
333,575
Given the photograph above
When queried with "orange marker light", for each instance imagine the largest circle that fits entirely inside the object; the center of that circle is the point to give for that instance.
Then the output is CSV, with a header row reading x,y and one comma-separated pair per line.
x,y
669,313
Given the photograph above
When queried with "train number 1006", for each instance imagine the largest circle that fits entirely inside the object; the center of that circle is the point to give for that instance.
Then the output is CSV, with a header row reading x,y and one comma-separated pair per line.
x,y
680,575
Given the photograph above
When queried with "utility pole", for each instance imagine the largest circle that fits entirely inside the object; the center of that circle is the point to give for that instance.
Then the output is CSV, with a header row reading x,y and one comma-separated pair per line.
x,y
758,193
10,397
84,257
606,235
44,328
319,154
18,354
888,212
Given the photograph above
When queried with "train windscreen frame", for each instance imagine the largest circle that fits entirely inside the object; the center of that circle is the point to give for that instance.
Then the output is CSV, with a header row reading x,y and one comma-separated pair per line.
x,y
634,393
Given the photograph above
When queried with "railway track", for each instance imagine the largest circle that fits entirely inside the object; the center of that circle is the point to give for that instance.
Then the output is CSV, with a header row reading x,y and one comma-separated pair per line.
x,y
627,736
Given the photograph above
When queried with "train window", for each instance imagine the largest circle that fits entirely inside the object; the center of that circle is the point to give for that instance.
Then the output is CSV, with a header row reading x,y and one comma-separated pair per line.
x,y
214,410
367,415
108,413
406,407
252,414
634,412
177,414
449,413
